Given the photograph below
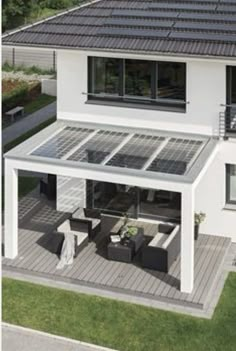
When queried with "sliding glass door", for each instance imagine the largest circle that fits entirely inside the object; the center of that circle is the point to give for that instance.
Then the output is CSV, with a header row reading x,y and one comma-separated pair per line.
x,y
159,204
117,199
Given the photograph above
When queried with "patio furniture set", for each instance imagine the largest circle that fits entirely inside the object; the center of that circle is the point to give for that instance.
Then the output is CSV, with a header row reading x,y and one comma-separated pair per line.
x,y
158,252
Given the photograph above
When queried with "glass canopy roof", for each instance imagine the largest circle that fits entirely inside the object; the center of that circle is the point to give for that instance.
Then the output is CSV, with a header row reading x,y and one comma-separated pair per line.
x,y
147,151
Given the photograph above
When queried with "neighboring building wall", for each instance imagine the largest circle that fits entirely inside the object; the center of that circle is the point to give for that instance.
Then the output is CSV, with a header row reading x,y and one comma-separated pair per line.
x,y
211,195
206,90
71,194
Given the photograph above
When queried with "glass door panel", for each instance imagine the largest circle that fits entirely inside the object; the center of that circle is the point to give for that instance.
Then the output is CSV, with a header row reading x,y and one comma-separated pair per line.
x,y
115,199
161,204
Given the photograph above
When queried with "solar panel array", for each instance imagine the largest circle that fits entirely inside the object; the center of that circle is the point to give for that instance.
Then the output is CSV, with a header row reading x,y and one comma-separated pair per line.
x,y
154,153
100,146
136,152
175,157
175,20
60,144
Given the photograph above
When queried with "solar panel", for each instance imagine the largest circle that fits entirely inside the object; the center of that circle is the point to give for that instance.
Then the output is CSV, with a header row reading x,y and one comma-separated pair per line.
x,y
226,8
99,147
206,26
60,144
130,32
203,36
139,22
145,14
208,17
179,6
175,156
136,152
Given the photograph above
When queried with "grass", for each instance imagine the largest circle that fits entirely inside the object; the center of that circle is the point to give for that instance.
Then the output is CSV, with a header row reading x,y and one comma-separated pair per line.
x,y
27,70
119,325
27,135
38,103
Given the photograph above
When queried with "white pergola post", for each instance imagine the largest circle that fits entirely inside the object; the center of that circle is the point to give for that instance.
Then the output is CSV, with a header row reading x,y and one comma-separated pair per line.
x,y
187,241
11,210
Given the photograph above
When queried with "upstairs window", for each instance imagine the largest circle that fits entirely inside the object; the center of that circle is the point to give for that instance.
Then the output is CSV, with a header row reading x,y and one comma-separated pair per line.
x,y
231,184
149,83
171,81
106,76
138,79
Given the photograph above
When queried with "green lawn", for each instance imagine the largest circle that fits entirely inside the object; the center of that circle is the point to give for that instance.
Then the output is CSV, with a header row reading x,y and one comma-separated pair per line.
x,y
38,103
119,325
27,135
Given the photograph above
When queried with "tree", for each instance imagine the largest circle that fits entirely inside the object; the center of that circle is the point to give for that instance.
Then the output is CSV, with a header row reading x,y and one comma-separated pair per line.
x,y
15,12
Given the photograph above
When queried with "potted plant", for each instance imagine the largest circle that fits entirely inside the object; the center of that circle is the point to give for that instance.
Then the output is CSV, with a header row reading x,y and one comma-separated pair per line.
x,y
126,231
198,219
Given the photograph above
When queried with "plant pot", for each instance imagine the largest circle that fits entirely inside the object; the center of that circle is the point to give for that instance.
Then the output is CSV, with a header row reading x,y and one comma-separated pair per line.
x,y
196,231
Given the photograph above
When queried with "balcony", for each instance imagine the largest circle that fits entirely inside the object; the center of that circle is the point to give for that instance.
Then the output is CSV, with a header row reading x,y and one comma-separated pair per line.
x,y
227,123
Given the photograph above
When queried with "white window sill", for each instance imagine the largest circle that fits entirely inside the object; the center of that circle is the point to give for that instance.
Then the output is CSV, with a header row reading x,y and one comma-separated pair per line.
x,y
230,207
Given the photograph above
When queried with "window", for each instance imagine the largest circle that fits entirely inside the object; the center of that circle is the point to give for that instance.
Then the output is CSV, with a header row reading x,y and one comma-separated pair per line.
x,y
233,83
153,84
231,184
105,76
138,78
171,81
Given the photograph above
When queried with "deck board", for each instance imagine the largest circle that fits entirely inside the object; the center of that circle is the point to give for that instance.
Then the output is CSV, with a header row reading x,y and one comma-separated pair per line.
x,y
92,267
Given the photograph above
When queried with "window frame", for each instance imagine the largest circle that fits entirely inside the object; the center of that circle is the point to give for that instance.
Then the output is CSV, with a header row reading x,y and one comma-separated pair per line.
x,y
227,183
125,101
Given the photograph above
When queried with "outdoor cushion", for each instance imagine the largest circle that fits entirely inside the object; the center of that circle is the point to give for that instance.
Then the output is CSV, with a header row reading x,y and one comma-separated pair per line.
x,y
170,237
158,239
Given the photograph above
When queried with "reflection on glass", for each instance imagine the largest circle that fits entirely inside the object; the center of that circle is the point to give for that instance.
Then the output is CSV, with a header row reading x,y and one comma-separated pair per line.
x,y
159,203
115,198
106,76
138,78
171,81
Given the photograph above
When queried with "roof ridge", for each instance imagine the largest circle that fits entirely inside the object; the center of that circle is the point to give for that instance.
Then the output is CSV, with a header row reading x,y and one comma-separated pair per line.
x,y
64,12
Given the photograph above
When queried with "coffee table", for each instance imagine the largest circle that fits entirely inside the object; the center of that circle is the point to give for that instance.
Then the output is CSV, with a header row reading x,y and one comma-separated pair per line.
x,y
120,252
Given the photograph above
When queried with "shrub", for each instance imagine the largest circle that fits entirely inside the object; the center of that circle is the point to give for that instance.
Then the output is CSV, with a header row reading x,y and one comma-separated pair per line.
x,y
58,4
7,67
23,93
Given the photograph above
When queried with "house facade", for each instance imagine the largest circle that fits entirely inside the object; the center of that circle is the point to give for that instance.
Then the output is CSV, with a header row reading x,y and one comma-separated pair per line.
x,y
149,70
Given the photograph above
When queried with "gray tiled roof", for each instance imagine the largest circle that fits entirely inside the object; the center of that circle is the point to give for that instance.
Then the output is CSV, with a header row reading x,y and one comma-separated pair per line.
x,y
189,27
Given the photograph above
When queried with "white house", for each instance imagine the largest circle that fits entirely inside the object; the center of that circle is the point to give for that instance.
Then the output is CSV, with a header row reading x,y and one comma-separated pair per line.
x,y
146,94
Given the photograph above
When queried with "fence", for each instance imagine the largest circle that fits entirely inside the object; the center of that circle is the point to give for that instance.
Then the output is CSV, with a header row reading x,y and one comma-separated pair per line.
x,y
45,59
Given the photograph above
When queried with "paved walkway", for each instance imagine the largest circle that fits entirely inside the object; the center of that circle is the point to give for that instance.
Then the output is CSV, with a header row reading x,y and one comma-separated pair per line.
x,y
21,127
22,339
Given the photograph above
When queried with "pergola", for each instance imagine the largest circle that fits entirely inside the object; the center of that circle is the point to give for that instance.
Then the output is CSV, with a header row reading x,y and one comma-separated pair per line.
x,y
137,157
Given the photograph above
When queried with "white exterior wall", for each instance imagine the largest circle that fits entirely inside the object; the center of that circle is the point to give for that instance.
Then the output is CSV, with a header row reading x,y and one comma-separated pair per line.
x,y
210,195
206,87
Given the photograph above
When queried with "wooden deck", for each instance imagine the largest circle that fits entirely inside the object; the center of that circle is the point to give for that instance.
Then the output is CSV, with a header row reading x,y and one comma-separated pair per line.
x,y
37,221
